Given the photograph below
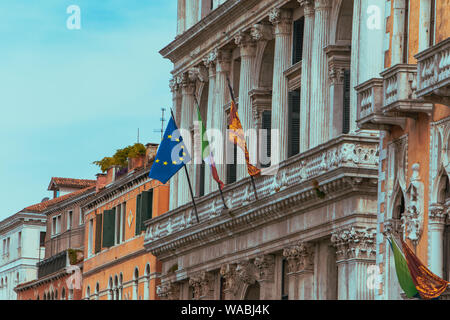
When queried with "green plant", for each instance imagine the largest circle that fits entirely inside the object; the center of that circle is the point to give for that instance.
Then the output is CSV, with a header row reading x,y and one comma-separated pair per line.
x,y
120,158
73,255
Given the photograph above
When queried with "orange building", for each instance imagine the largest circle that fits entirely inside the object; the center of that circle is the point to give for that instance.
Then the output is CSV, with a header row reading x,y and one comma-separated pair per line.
x,y
409,103
59,272
116,265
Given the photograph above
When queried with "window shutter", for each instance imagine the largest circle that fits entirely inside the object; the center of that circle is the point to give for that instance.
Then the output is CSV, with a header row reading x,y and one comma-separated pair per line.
x,y
146,208
346,103
294,123
109,220
297,51
267,125
98,233
138,214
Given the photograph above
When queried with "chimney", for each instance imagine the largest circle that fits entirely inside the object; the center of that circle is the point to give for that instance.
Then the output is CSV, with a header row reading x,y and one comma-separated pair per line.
x,y
101,181
136,162
111,174
150,153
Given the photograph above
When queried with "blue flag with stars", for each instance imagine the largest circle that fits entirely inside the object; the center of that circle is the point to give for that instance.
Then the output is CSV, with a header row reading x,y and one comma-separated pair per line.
x,y
171,156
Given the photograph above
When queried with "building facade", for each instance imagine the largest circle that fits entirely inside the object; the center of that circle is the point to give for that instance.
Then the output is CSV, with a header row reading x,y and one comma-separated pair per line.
x,y
311,231
408,102
116,265
59,272
21,237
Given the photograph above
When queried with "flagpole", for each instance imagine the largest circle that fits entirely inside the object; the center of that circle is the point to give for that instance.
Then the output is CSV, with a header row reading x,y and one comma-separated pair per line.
x,y
218,184
232,98
188,179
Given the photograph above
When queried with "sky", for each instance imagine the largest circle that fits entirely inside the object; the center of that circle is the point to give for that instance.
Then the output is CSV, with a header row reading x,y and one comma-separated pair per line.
x,y
69,97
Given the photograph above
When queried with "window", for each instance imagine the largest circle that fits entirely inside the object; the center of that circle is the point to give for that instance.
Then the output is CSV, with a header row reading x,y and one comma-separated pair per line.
x,y
406,33
97,291
98,232
109,223
58,224
91,236
8,242
346,103
42,239
123,208
117,227
144,210
297,50
88,292
147,282
294,123
432,22
136,284
266,147
81,220
63,294
69,219
284,281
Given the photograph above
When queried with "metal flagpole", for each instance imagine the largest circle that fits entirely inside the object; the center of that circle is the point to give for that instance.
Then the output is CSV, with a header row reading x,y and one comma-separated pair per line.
x,y
188,179
218,184
232,98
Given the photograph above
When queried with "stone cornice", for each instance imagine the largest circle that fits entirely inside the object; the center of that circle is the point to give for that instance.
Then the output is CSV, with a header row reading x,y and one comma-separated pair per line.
x,y
226,21
339,165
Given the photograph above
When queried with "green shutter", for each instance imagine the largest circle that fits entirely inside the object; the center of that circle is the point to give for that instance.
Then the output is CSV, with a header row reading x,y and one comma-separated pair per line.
x,y
98,233
138,214
109,220
146,207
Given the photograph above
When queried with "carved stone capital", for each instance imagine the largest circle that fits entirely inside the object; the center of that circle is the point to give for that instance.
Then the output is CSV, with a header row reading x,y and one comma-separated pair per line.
x,y
198,73
282,20
210,60
246,272
202,284
437,214
354,243
336,74
188,83
245,43
168,291
300,257
308,7
230,275
392,227
223,61
322,4
265,266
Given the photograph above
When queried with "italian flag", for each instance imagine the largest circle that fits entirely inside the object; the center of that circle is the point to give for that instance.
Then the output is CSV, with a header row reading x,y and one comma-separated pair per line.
x,y
206,152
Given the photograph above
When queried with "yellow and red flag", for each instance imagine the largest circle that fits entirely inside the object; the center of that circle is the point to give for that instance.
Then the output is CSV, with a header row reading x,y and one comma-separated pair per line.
x,y
236,136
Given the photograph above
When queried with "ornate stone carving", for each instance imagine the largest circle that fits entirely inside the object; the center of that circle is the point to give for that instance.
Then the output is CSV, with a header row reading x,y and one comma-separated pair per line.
x,y
230,275
168,291
336,74
413,217
265,265
280,182
261,31
437,214
392,227
198,73
202,284
355,242
246,272
322,4
281,19
300,257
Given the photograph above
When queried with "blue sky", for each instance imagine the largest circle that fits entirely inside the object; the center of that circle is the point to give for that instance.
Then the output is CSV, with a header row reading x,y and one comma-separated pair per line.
x,y
70,97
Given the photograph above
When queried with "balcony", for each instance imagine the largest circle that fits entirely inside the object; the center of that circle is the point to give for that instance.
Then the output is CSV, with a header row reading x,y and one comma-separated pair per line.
x,y
344,166
433,79
370,107
399,92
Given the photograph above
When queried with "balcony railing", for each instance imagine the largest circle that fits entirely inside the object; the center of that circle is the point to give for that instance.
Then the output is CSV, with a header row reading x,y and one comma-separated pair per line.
x,y
399,92
339,160
433,79
370,105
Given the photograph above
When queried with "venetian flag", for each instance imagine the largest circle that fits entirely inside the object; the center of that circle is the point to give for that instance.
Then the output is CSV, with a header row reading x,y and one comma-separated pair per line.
x,y
206,152
414,277
236,136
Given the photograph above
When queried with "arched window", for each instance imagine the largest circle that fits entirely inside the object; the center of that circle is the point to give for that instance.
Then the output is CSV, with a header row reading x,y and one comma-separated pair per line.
x,y
110,289
52,296
121,286
56,294
399,211
63,294
37,298
147,282
17,277
97,290
88,293
116,287
136,284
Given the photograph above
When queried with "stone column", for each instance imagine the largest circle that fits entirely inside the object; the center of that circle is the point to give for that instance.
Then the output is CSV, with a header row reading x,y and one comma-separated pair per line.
x,y
424,24
436,225
187,111
209,62
176,98
222,98
248,53
181,17
305,94
282,21
355,252
300,258
169,291
265,266
230,276
319,112
202,285
192,10
398,32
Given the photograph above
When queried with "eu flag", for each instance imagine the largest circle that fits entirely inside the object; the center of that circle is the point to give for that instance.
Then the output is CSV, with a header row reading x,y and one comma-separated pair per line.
x,y
171,156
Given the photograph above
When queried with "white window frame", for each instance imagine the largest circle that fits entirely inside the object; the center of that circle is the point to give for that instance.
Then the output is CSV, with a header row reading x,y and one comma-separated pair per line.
x,y
69,219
